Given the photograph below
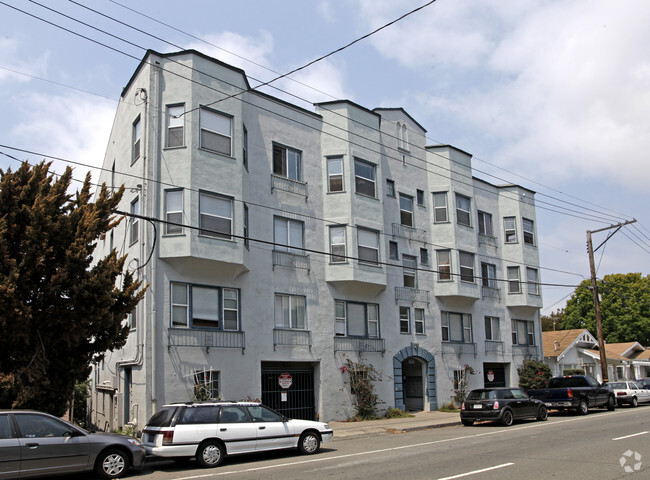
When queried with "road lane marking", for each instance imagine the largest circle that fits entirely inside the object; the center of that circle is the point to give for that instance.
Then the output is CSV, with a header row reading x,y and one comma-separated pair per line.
x,y
629,436
467,474
414,445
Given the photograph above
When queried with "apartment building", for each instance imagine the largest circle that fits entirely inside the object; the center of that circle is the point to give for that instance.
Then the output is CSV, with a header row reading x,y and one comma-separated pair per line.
x,y
280,242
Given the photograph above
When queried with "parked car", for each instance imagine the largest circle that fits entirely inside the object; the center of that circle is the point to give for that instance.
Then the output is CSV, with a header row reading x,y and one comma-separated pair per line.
x,y
575,392
210,431
503,404
644,382
629,393
34,444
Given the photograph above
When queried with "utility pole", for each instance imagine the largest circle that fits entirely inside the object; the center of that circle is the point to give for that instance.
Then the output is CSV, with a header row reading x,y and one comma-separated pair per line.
x,y
594,289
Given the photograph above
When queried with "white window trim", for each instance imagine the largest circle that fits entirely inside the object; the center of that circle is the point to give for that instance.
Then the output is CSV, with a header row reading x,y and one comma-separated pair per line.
x,y
437,207
372,180
404,320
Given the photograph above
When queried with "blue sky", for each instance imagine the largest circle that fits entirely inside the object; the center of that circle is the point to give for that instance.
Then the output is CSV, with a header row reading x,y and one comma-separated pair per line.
x,y
553,95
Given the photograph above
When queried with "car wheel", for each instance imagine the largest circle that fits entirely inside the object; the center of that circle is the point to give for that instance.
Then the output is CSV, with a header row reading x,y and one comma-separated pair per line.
x,y
635,402
507,418
467,423
309,443
611,404
583,408
542,413
210,454
112,463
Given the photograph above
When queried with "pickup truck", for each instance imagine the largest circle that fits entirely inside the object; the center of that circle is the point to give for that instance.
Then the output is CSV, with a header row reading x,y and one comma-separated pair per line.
x,y
575,392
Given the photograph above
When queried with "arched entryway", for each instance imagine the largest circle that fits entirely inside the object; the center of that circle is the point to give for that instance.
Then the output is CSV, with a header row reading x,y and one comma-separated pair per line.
x,y
411,392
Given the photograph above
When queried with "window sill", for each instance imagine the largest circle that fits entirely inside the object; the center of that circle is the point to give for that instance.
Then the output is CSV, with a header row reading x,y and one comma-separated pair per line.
x,y
168,235
366,196
336,192
178,147
203,235
214,152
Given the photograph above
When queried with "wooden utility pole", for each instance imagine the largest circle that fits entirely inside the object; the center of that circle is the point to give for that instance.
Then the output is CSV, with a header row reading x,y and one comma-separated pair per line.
x,y
594,289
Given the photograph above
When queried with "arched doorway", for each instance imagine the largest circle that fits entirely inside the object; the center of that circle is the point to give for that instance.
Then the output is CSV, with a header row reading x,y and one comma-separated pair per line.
x,y
414,376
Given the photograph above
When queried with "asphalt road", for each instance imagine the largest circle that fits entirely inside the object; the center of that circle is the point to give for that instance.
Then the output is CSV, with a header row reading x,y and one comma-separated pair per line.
x,y
598,446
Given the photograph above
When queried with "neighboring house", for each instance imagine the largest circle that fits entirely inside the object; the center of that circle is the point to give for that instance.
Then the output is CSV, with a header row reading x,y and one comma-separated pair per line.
x,y
571,349
280,242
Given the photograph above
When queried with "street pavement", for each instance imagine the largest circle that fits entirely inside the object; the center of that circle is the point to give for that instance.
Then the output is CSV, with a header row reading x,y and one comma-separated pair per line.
x,y
419,421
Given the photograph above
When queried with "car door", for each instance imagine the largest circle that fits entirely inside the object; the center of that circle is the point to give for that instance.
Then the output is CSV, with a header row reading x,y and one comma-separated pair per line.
x,y
236,429
272,431
49,445
9,449
525,405
642,395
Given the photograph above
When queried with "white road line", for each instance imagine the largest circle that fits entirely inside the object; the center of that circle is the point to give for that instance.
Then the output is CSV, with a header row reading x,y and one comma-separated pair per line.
x,y
628,436
461,475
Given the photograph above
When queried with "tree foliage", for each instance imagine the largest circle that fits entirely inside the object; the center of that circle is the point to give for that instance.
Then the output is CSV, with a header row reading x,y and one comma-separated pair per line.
x,y
624,306
362,387
534,374
57,312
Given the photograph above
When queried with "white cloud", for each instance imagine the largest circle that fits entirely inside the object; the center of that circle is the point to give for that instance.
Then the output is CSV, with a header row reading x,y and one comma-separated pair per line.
x,y
74,127
13,64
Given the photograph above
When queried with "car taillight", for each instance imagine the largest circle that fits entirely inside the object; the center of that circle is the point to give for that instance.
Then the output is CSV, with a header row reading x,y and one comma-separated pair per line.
x,y
462,406
496,405
168,438
620,393
569,393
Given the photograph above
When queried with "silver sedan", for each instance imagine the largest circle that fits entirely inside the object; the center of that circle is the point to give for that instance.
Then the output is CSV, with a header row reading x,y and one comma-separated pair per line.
x,y
629,393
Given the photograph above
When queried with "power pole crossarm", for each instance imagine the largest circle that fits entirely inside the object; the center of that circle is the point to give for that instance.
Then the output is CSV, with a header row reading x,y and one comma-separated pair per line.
x,y
594,289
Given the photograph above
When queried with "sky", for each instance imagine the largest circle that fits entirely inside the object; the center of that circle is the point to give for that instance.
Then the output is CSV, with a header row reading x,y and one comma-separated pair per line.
x,y
553,95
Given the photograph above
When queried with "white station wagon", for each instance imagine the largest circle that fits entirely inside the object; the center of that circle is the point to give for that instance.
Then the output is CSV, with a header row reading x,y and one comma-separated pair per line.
x,y
210,431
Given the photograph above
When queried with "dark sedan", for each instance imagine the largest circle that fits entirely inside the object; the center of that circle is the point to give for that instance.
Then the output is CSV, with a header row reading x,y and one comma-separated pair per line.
x,y
503,405
34,444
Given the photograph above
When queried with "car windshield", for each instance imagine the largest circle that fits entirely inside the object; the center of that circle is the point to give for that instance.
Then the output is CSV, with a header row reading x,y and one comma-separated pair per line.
x,y
620,385
162,418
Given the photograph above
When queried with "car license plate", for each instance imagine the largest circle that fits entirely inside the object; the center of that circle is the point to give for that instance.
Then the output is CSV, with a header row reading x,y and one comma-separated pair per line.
x,y
478,407
548,404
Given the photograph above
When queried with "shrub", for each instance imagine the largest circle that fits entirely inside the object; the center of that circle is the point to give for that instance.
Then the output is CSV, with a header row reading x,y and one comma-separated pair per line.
x,y
448,407
534,374
393,412
362,389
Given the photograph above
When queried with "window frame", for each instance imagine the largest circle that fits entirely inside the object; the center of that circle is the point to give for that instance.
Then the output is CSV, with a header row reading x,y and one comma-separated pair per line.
x,y
463,268
215,233
529,327
246,228
334,257
532,285
404,319
367,247
134,221
390,188
444,269
331,176
177,229
438,208
136,139
203,128
488,280
419,196
410,271
244,146
189,307
424,256
289,246
367,307
299,323
528,234
485,224
462,212
419,323
295,174
465,328
492,328
207,379
172,123
512,280
406,209
360,180
393,250
510,234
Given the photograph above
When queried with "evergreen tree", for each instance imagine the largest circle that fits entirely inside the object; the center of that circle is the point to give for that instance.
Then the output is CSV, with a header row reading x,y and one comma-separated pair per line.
x,y
57,312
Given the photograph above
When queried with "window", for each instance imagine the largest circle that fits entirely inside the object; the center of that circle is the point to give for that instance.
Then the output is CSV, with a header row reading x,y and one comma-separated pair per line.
x,y
5,429
393,251
485,224
246,229
335,174
203,306
492,329
419,320
287,162
529,231
489,275
132,319
33,425
216,132
444,264
338,245
531,277
245,147
288,235
410,265
406,210
390,188
424,256
420,197
456,327
173,211
523,332
206,385
364,177
404,320
402,136
466,266
134,221
137,133
362,320
215,215
368,246
514,285
175,125
440,208
339,318
510,227
463,210
290,311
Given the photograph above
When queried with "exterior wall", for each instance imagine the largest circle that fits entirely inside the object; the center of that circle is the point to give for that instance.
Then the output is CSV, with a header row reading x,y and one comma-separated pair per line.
x,y
158,363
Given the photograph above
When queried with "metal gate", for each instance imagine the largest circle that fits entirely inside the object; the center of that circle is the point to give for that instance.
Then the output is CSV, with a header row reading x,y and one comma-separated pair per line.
x,y
298,400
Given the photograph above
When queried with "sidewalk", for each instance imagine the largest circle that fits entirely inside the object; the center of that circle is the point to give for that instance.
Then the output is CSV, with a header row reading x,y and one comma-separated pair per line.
x,y
419,421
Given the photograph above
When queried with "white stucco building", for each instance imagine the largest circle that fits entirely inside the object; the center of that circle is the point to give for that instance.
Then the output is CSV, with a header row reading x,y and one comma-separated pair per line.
x,y
279,239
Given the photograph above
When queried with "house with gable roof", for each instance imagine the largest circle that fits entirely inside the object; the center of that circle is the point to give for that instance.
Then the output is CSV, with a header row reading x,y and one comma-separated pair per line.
x,y
568,349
